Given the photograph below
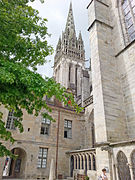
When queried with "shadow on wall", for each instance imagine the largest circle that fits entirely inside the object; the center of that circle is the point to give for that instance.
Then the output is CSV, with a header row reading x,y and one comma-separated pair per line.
x,y
15,168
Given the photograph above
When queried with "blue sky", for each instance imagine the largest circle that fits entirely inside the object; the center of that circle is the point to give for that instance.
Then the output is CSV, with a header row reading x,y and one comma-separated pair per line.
x,y
56,12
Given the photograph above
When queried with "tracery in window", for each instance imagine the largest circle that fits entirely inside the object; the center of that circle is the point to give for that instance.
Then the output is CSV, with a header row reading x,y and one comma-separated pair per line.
x,y
128,7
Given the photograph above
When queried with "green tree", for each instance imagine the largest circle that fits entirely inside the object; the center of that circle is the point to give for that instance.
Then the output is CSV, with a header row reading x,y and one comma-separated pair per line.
x,y
23,45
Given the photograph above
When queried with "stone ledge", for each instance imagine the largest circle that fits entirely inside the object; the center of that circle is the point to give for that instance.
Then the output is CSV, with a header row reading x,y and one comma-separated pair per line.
x,y
99,2
125,48
123,143
81,150
102,144
98,21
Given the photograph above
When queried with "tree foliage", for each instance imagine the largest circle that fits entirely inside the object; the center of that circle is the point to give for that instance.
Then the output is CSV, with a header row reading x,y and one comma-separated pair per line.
x,y
23,45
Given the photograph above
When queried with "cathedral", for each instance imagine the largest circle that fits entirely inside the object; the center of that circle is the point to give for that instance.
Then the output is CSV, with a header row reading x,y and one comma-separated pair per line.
x,y
79,146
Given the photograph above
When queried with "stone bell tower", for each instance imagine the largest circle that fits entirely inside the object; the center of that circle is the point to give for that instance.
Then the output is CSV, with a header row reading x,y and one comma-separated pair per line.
x,y
69,59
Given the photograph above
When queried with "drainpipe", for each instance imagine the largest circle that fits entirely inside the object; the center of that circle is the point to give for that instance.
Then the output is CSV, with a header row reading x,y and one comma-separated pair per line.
x,y
57,144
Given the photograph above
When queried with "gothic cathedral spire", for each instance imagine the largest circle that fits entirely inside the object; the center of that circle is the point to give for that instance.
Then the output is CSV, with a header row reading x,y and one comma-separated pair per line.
x,y
69,60
70,46
70,26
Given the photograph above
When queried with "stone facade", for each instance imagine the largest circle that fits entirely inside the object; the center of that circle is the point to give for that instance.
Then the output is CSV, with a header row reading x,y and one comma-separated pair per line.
x,y
31,140
112,61
102,136
69,71
69,62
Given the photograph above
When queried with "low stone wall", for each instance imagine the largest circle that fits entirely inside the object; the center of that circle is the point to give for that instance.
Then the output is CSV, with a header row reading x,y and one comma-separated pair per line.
x,y
92,175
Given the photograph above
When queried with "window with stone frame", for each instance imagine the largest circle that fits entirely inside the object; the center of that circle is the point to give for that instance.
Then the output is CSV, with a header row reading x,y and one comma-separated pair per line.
x,y
42,157
128,7
10,120
45,126
67,129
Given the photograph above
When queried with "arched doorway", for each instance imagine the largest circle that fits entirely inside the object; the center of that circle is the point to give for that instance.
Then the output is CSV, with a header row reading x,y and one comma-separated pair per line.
x,y
15,168
133,162
72,165
123,168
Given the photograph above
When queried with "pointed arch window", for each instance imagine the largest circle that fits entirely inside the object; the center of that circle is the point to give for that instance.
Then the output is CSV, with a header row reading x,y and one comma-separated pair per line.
x,y
128,8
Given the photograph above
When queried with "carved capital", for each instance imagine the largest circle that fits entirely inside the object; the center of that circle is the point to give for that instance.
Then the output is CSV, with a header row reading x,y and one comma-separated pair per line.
x,y
107,148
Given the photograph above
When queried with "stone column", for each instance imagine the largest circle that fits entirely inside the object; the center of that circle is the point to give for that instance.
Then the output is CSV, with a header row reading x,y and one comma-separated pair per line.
x,y
78,161
87,156
60,73
72,74
109,113
102,161
79,80
2,163
83,161
107,92
130,167
65,74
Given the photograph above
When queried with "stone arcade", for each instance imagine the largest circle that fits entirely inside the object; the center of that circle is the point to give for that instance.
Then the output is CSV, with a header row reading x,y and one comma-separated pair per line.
x,y
103,136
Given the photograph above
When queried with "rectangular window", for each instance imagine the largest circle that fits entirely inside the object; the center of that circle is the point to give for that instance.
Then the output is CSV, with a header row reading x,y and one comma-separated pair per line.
x,y
42,157
67,129
10,120
45,126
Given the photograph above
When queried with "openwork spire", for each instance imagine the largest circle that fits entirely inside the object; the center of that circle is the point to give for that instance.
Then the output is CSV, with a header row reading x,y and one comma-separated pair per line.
x,y
70,26
70,46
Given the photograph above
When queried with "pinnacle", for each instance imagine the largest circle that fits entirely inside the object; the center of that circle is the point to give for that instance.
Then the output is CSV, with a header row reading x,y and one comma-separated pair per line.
x,y
70,5
59,40
59,43
80,36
